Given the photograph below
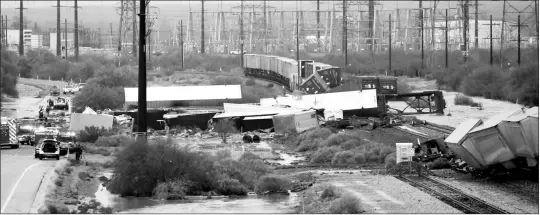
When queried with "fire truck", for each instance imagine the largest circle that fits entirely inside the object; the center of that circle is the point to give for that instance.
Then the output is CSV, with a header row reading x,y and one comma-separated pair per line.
x,y
8,134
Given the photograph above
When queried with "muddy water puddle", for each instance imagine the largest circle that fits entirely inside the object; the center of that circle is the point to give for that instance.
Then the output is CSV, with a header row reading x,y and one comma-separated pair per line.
x,y
250,204
24,106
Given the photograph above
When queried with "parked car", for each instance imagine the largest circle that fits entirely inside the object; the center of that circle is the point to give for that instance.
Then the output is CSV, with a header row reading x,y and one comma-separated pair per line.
x,y
55,91
60,104
67,142
47,148
70,89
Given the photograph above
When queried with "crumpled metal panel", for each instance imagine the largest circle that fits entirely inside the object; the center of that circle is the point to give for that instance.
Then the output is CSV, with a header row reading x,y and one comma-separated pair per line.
x,y
460,133
491,146
514,134
462,153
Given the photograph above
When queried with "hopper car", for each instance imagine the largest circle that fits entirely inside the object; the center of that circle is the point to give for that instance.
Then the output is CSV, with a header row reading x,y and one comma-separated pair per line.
x,y
310,77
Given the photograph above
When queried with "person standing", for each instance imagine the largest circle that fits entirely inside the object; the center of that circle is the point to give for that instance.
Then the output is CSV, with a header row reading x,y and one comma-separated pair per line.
x,y
78,152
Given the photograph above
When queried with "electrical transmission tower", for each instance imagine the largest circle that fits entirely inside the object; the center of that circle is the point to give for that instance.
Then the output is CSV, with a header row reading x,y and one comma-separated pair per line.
x,y
529,19
127,27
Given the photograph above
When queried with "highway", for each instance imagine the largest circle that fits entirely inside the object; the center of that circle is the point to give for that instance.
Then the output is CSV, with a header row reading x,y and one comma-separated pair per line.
x,y
21,176
21,173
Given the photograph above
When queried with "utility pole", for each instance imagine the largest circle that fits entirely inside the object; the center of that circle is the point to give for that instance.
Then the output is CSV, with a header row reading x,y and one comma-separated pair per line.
x,y
58,45
134,42
182,42
519,25
389,43
446,41
265,28
476,24
76,33
202,27
318,26
422,34
465,29
345,32
2,31
112,38
120,27
502,33
21,38
65,38
141,112
242,33
298,51
491,39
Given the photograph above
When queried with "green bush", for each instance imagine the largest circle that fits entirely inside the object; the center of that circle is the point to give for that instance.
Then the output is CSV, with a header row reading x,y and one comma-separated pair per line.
x,y
91,134
59,181
229,186
247,156
351,144
347,204
270,85
330,193
272,184
324,155
171,190
57,209
345,157
9,73
390,160
113,141
336,139
465,100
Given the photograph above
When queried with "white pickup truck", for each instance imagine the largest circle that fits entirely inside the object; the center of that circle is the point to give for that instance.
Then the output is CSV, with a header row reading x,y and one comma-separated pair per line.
x,y
70,89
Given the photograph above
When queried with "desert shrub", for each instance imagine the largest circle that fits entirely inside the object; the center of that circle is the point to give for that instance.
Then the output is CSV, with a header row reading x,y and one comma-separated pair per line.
x,y
83,175
484,81
250,82
390,160
305,177
308,145
465,100
347,204
324,155
226,80
345,157
272,184
57,209
97,150
384,152
59,181
113,141
351,144
359,157
439,163
270,85
330,193
90,134
171,190
223,154
9,73
337,139
68,169
247,156
224,127
522,85
229,186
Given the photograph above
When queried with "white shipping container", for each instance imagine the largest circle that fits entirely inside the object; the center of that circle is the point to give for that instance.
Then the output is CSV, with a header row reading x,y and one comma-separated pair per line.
x,y
404,152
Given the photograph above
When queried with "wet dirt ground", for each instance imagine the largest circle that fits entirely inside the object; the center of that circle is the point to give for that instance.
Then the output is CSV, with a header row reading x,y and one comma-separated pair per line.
x,y
24,106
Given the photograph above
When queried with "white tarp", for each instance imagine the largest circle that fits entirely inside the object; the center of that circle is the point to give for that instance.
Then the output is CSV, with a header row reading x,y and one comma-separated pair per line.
x,y
89,110
351,100
333,114
79,121
186,93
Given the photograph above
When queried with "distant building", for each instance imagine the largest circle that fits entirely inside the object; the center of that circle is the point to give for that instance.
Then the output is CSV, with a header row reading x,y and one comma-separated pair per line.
x,y
36,41
13,38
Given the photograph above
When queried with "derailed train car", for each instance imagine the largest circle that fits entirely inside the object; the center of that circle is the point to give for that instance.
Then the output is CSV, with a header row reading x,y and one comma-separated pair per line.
x,y
310,77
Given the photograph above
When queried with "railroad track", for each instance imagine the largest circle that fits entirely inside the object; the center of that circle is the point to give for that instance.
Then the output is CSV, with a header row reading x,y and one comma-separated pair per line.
x,y
439,128
451,196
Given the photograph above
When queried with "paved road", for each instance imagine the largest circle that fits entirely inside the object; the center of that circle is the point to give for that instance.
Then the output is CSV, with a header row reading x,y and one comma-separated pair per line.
x,y
21,175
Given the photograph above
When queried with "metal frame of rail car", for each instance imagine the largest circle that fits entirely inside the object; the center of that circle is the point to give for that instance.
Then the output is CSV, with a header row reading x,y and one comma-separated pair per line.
x,y
437,96
269,75
304,69
314,84
331,75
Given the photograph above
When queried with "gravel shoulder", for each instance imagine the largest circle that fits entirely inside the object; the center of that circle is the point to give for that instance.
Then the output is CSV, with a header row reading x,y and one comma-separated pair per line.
x,y
381,193
515,196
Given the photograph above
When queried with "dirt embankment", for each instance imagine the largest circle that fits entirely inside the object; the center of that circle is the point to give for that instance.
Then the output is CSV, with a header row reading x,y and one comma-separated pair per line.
x,y
71,187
